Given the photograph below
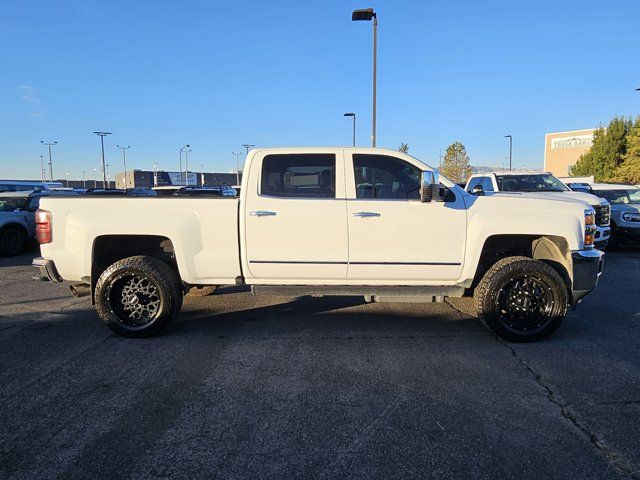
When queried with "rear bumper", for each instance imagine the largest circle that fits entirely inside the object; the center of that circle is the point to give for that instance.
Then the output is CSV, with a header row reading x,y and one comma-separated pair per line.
x,y
587,268
47,269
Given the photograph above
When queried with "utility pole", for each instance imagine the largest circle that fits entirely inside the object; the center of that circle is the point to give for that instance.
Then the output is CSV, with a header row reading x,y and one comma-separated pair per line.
x,y
104,170
50,161
124,161
238,165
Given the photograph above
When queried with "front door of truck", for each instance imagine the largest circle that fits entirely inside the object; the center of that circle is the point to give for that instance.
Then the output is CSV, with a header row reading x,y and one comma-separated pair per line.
x,y
295,217
393,236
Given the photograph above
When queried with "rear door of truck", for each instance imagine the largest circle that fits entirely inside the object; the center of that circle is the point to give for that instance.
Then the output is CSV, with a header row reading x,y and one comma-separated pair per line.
x,y
294,215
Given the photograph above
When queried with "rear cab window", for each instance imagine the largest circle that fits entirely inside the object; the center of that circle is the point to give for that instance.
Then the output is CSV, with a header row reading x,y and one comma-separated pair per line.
x,y
311,175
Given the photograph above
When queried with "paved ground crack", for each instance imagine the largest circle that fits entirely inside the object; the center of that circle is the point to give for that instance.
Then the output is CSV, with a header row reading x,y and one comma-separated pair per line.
x,y
617,461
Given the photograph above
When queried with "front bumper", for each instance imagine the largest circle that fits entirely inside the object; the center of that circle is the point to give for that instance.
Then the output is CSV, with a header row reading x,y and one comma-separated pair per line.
x,y
587,268
47,269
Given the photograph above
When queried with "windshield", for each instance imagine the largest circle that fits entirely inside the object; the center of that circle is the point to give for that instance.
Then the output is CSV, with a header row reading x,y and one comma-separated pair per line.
x,y
535,182
621,197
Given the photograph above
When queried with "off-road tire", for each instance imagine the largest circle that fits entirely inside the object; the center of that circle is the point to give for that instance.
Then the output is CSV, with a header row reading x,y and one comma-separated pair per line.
x,y
500,287
12,241
155,276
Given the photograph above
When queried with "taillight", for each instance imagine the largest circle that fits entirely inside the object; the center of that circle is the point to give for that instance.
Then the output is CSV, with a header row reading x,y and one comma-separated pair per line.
x,y
43,226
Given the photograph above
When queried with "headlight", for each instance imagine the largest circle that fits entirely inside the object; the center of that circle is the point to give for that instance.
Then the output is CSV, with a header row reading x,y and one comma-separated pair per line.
x,y
589,228
631,217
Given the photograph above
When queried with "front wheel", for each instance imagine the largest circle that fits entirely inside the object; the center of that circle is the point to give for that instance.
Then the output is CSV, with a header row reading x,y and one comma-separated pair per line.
x,y
521,299
138,296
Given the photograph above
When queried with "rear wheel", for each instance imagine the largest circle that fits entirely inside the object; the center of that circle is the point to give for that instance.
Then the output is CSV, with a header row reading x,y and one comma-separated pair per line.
x,y
521,299
12,241
138,296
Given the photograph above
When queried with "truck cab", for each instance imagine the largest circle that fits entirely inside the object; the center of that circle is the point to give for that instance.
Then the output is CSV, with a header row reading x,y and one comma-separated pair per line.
x,y
543,183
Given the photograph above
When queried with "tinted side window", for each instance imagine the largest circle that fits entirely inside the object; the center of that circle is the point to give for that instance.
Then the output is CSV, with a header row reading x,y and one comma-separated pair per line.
x,y
385,177
299,175
487,184
473,182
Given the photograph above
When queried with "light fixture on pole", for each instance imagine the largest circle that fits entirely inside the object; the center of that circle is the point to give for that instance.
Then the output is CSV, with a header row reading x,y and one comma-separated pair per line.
x,y
238,166
48,144
510,149
351,114
124,161
368,15
184,147
104,171
248,147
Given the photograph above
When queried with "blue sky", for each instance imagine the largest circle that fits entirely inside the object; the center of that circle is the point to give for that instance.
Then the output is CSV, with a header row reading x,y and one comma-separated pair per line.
x,y
219,74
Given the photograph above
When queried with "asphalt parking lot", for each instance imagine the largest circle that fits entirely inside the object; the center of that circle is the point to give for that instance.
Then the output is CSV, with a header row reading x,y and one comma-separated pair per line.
x,y
275,387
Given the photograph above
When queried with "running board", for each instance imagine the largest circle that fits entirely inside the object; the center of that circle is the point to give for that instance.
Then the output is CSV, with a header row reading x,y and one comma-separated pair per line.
x,y
395,292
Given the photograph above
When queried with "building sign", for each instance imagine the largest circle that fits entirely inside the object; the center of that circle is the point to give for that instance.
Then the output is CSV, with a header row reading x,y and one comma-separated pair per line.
x,y
577,141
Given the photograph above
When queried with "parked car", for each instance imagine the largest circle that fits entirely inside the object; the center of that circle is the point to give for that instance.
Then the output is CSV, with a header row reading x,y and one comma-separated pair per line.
x,y
206,192
16,224
26,186
328,221
545,184
625,211
119,192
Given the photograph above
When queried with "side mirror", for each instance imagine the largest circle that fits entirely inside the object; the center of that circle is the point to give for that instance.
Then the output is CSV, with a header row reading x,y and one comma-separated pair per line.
x,y
477,190
428,182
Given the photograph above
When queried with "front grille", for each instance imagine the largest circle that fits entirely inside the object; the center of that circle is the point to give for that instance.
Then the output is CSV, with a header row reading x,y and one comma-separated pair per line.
x,y
603,215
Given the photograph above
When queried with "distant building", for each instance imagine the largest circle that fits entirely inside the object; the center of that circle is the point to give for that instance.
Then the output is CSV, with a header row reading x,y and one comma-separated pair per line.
x,y
150,179
563,149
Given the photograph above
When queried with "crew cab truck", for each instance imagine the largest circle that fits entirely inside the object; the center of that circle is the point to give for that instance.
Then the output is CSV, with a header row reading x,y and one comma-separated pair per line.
x,y
542,183
327,221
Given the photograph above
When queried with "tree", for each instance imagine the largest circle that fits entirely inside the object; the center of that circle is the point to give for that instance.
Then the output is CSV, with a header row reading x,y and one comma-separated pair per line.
x,y
606,153
455,165
404,148
629,171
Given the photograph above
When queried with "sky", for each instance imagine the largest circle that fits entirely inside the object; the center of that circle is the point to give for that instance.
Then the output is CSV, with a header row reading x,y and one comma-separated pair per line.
x,y
217,75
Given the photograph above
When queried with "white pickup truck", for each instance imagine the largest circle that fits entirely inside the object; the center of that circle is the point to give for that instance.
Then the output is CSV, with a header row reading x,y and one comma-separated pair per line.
x,y
327,221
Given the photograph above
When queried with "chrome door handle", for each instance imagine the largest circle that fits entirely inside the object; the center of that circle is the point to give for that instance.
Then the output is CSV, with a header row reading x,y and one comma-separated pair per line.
x,y
262,213
366,214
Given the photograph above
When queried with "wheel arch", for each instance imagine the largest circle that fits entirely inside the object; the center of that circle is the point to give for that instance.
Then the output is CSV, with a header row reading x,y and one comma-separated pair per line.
x,y
108,249
550,249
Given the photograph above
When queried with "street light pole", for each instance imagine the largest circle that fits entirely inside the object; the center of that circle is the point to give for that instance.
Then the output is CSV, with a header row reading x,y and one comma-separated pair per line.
x,y
95,180
186,166
50,161
124,161
350,114
237,155
84,179
184,147
510,149
201,175
368,14
104,170
42,168
67,179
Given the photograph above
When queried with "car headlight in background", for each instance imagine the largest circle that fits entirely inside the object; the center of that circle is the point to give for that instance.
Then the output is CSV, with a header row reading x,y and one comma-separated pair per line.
x,y
589,228
631,217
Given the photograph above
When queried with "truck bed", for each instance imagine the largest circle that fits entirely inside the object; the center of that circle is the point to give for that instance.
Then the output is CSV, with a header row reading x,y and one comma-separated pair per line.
x,y
202,231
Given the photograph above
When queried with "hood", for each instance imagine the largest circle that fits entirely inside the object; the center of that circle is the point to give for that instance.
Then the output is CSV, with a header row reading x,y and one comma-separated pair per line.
x,y
633,208
564,196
